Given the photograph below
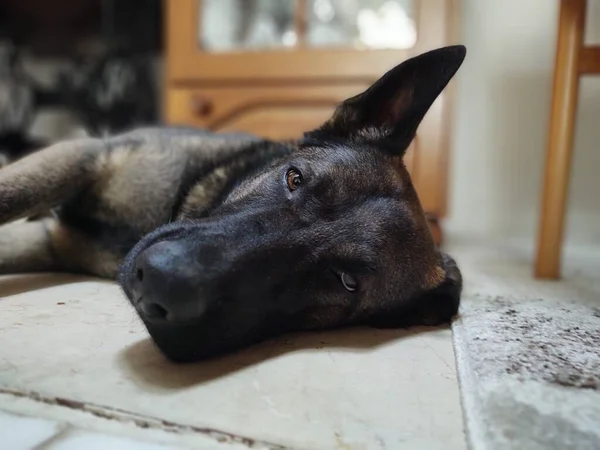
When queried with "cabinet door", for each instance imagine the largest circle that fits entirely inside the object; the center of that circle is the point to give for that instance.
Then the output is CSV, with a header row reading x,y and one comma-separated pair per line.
x,y
257,40
279,113
274,112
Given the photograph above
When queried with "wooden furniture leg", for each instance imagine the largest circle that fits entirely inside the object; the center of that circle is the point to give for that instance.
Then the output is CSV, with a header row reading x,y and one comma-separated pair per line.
x,y
560,138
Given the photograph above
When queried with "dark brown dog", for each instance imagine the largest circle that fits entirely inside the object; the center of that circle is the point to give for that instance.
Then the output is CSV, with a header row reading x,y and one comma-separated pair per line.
x,y
220,241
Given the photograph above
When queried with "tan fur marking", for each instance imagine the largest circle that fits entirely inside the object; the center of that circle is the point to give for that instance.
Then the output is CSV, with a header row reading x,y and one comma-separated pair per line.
x,y
74,252
248,187
124,190
435,277
24,248
205,192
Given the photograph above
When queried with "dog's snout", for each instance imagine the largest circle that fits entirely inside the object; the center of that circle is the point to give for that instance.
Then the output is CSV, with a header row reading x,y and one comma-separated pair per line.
x,y
165,284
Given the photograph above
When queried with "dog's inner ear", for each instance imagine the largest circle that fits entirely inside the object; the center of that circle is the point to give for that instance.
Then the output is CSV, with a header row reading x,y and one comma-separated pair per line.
x,y
390,111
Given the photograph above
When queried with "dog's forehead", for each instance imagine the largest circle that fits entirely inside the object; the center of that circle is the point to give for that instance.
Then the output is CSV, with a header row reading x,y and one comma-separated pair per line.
x,y
382,198
384,222
364,186
354,166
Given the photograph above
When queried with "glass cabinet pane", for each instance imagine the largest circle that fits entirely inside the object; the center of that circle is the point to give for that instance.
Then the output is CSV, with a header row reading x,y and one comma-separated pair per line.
x,y
376,24
240,25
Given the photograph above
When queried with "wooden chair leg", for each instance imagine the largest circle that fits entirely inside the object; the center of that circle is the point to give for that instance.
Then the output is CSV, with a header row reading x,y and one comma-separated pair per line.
x,y
560,138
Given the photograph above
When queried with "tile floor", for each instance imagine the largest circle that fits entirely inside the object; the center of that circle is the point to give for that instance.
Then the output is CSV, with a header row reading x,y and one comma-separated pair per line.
x,y
23,433
77,370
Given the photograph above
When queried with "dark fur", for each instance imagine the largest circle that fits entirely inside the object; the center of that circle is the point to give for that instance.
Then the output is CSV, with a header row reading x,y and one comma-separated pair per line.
x,y
212,248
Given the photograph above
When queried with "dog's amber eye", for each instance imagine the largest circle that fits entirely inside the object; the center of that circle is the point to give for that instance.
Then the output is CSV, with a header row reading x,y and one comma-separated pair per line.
x,y
294,179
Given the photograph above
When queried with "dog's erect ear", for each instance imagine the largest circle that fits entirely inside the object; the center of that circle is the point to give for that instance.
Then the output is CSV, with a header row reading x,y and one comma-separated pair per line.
x,y
389,112
435,306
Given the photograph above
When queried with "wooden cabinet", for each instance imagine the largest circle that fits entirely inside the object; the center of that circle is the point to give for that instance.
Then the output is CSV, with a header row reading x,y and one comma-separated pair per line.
x,y
277,68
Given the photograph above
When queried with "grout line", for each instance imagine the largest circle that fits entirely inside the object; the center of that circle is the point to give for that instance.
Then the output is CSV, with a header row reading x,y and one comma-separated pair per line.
x,y
56,437
142,421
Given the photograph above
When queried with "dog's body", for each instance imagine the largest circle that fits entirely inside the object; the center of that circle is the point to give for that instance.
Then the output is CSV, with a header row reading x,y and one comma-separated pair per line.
x,y
223,240
116,191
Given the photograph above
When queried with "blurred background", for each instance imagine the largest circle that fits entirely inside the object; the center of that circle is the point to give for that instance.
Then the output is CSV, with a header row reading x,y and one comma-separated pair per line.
x,y
278,67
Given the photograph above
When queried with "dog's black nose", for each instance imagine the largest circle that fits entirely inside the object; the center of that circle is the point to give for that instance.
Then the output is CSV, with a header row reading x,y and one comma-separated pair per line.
x,y
165,283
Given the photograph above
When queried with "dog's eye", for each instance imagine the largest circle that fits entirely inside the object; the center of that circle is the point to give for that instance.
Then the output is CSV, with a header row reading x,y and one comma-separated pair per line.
x,y
349,282
293,179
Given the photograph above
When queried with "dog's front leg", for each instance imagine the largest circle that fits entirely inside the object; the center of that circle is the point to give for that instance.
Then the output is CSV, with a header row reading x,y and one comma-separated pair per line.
x,y
46,178
46,245
25,247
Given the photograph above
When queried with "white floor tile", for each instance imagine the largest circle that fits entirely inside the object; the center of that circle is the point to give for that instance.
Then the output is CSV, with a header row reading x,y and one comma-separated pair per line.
x,y
24,433
351,388
80,440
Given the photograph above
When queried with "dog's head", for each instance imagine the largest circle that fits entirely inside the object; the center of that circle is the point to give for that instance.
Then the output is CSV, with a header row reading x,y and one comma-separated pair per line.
x,y
333,234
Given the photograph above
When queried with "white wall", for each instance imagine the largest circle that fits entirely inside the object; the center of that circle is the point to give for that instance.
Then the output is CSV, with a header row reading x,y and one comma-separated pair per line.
x,y
501,118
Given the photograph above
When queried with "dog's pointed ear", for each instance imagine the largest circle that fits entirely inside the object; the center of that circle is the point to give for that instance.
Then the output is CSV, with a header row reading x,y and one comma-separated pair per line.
x,y
434,306
390,111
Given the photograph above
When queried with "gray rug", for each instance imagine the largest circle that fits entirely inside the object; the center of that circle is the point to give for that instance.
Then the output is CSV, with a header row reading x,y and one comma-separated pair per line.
x,y
528,357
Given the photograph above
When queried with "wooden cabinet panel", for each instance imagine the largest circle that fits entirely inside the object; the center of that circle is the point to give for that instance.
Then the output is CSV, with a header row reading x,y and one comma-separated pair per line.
x,y
280,92
276,112
189,63
279,121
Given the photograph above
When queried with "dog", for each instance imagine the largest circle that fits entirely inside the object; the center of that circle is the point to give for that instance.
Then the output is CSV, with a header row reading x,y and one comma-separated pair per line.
x,y
220,241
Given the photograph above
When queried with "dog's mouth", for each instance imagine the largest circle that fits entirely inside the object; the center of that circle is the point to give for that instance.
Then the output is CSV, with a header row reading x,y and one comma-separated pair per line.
x,y
179,342
194,340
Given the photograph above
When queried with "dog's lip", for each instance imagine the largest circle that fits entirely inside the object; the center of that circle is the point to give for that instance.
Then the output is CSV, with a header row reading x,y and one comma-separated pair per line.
x,y
168,322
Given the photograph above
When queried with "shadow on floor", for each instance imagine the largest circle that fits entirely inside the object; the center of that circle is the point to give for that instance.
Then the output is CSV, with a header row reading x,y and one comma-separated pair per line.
x,y
146,366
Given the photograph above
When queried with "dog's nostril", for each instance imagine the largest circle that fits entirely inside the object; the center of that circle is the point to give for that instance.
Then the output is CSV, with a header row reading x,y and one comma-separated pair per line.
x,y
154,310
140,274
